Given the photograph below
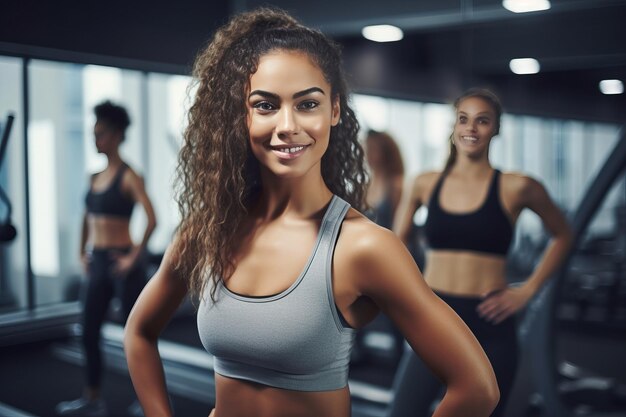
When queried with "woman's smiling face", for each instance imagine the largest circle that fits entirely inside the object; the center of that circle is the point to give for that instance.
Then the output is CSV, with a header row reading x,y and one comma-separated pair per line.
x,y
290,114
474,127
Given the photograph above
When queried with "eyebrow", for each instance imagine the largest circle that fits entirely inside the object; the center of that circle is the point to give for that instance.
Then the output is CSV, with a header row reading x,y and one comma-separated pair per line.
x,y
484,113
296,95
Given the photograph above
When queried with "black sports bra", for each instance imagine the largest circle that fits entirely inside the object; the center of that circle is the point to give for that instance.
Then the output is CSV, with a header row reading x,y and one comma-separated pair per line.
x,y
487,229
110,202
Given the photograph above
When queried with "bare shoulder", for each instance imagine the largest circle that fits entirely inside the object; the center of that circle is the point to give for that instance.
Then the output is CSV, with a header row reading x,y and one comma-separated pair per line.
x,y
131,180
375,263
522,186
427,178
364,244
424,183
361,231
131,175
173,253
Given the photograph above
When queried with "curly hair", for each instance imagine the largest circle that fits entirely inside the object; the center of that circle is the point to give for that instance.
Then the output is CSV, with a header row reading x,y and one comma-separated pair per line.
x,y
218,177
490,98
113,115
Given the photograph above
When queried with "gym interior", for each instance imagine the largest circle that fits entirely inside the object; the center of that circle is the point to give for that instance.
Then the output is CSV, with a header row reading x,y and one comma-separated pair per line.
x,y
562,124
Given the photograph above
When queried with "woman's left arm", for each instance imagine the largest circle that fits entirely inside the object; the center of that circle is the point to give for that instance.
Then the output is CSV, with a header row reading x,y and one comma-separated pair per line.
x,y
383,271
505,303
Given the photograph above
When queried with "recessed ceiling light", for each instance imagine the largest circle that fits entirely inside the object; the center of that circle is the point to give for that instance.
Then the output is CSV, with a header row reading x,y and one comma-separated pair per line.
x,y
612,87
524,66
382,33
525,6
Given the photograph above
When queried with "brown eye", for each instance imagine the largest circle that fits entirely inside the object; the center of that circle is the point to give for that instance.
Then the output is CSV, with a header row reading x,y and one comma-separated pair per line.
x,y
308,105
264,106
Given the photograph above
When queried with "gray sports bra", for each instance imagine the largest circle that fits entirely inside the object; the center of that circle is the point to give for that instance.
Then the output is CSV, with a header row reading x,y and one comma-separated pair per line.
x,y
292,340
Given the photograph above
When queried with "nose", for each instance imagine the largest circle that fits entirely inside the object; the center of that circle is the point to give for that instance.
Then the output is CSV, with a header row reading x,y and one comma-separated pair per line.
x,y
471,126
287,124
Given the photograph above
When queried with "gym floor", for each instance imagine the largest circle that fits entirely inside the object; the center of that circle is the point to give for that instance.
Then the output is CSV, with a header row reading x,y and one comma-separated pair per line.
x,y
36,376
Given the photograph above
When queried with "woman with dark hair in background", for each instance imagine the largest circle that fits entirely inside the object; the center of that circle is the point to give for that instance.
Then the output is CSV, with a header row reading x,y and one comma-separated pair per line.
x,y
112,263
285,269
384,192
472,210
386,177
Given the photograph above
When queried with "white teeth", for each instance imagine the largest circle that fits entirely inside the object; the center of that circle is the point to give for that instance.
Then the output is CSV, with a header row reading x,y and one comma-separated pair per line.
x,y
470,138
292,150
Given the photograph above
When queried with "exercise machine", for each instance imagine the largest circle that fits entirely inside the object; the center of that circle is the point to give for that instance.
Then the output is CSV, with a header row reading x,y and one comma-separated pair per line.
x,y
7,230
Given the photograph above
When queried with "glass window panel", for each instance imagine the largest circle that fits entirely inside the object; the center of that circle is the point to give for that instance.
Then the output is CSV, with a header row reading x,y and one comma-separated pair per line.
x,y
13,281
167,111
564,155
56,175
62,156
405,118
44,230
437,126
372,112
574,174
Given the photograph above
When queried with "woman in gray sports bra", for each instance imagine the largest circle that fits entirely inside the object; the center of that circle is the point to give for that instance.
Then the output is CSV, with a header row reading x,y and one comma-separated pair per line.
x,y
270,179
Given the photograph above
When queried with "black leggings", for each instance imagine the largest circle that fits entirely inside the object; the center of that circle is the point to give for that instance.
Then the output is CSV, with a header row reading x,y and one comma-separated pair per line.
x,y
415,386
102,286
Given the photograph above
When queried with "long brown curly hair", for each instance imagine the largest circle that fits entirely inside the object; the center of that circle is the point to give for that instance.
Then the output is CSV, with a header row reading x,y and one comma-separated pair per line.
x,y
218,177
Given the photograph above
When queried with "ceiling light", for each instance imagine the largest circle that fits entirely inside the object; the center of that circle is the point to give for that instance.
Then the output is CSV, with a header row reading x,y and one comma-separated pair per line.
x,y
525,6
524,66
382,33
611,87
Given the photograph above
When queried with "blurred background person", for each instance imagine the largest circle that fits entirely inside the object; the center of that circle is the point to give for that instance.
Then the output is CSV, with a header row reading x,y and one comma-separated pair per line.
x,y
386,177
472,210
112,262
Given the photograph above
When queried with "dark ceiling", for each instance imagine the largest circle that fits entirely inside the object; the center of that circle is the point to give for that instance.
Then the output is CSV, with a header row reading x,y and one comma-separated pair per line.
x,y
449,45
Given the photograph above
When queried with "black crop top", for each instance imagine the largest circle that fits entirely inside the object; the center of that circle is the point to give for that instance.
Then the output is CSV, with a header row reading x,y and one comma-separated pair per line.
x,y
110,202
487,229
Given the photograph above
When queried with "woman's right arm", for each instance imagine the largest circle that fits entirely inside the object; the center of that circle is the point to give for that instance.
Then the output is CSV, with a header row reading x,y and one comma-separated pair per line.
x,y
410,202
152,311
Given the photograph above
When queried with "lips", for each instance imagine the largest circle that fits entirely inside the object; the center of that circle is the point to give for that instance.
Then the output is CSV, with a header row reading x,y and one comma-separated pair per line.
x,y
288,151
469,139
